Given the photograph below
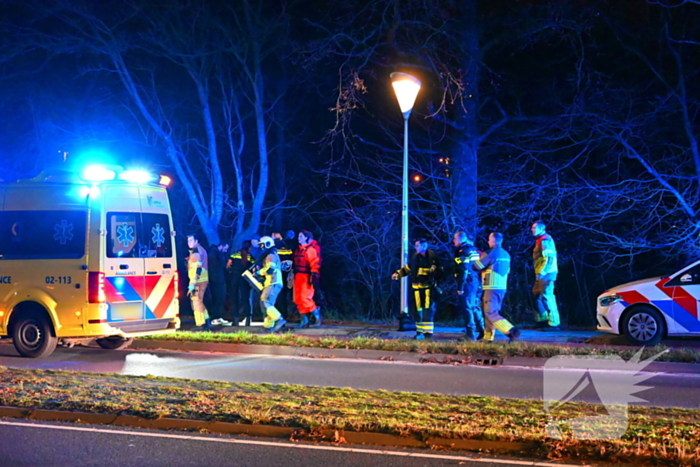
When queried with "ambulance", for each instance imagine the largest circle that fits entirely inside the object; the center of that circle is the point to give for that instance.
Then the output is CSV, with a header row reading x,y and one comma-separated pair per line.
x,y
86,255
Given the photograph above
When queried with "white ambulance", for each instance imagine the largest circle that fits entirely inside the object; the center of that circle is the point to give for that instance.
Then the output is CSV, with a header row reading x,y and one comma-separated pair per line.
x,y
86,255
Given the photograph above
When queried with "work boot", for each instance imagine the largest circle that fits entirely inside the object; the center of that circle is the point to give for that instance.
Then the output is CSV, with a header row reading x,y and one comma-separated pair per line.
x,y
247,320
513,335
419,336
206,326
406,323
317,317
428,335
279,324
304,321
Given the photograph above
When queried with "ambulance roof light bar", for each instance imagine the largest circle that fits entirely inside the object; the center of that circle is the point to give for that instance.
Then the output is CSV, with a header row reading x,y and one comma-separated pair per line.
x,y
98,173
137,176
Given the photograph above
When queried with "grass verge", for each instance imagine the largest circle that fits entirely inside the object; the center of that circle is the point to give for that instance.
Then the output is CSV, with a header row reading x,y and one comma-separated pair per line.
x,y
655,436
517,349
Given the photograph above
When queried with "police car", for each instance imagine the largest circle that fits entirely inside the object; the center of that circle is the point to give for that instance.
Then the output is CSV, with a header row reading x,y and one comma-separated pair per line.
x,y
648,310
86,254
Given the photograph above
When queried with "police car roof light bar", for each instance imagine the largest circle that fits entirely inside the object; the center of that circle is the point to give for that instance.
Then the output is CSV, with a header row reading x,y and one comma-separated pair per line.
x,y
137,176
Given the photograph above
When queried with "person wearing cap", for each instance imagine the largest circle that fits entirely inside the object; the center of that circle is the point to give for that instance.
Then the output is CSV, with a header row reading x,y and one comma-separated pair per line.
x,y
269,267
465,254
286,254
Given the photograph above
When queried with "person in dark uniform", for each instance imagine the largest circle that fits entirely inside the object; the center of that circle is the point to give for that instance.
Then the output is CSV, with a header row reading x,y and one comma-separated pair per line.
x,y
238,288
465,254
217,285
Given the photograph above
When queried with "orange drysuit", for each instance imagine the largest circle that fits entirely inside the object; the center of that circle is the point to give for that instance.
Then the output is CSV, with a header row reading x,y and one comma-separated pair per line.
x,y
307,265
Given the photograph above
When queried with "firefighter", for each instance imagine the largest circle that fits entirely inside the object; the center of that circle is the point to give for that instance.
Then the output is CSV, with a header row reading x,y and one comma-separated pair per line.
x,y
307,278
544,255
495,266
286,255
424,268
197,272
467,279
269,267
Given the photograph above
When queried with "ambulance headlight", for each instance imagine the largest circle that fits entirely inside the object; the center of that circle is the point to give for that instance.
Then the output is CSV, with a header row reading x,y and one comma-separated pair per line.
x,y
609,300
137,176
98,173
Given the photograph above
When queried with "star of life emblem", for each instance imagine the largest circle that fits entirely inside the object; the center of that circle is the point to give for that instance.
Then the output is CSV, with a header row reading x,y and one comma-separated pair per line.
x,y
158,235
125,234
64,232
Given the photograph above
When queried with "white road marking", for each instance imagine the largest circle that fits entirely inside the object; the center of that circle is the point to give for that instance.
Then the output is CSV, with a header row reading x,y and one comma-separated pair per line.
x,y
296,446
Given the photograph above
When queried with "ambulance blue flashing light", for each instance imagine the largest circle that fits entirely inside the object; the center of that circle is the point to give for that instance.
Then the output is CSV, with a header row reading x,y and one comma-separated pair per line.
x,y
98,173
137,176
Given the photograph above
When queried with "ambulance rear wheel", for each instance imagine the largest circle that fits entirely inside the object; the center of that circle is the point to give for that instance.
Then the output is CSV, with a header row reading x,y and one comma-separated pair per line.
x,y
114,343
33,336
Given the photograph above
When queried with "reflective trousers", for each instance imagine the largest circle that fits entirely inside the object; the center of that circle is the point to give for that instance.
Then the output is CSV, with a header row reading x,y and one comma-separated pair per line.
x,y
197,300
425,309
492,302
545,301
267,304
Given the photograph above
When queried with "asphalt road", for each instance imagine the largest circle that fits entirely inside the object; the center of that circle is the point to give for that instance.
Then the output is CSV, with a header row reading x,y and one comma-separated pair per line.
x,y
675,390
36,444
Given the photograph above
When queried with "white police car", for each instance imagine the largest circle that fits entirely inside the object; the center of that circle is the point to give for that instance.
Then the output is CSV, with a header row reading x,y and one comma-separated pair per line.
x,y
647,310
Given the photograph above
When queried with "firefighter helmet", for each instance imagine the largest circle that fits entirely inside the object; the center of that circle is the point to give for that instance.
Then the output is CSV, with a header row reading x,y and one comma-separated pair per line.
x,y
267,242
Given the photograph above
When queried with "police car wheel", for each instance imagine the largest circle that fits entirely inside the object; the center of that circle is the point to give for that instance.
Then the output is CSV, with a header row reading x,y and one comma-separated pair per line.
x,y
32,336
114,343
643,326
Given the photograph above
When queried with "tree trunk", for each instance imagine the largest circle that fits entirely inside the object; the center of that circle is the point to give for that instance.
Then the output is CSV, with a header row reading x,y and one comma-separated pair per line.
x,y
466,145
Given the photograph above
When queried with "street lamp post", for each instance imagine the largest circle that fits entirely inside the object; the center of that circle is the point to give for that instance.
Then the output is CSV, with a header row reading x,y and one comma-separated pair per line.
x,y
406,88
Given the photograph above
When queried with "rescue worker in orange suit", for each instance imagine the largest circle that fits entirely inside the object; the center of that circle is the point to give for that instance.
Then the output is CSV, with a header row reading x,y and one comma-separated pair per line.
x,y
239,291
424,268
307,278
467,279
270,269
198,274
495,267
544,255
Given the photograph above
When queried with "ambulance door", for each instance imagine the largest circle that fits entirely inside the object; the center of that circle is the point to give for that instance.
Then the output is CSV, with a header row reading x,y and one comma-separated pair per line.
x,y
159,254
124,263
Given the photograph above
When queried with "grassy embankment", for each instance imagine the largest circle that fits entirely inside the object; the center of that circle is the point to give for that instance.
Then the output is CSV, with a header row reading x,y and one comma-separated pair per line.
x,y
518,349
656,436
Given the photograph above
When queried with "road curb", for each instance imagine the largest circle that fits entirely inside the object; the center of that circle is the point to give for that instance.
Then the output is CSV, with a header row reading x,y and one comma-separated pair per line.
x,y
297,434
385,355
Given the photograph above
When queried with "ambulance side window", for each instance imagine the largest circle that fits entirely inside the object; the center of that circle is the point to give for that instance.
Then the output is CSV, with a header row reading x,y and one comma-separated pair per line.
x,y
156,235
42,234
122,234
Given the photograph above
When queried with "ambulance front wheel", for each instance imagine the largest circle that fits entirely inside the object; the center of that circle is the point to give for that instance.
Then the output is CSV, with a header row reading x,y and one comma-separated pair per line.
x,y
32,336
114,343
